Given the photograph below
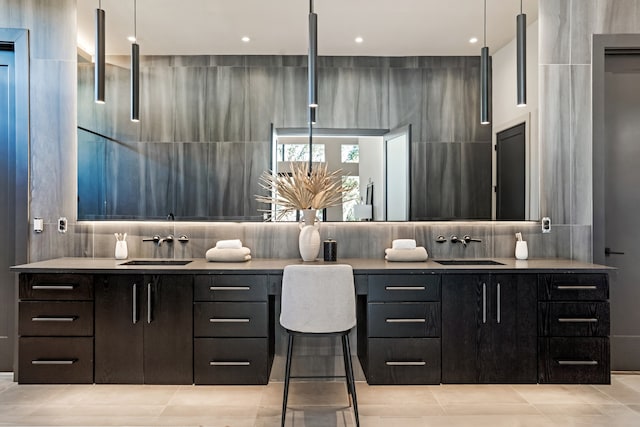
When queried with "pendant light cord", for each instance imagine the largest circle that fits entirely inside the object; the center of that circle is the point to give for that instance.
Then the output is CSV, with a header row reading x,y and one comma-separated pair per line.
x,y
135,20
485,23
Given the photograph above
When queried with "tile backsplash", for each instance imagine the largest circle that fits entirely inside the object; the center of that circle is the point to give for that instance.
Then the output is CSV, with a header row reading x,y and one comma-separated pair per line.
x,y
280,240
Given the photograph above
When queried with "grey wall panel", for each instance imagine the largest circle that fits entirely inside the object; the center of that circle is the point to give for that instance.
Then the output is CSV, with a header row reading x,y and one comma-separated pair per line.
x,y
581,146
190,99
405,99
157,106
295,97
157,178
441,96
227,107
91,176
124,162
435,185
226,163
192,184
583,15
475,180
256,162
266,103
555,197
555,35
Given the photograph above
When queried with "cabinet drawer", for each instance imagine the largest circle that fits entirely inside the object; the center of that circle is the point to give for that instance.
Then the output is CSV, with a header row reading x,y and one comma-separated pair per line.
x,y
231,319
231,287
573,361
566,319
56,287
55,360
231,361
62,318
404,361
404,319
404,287
572,287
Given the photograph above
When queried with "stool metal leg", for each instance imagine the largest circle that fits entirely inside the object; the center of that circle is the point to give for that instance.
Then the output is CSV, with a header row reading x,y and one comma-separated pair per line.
x,y
351,380
287,375
346,371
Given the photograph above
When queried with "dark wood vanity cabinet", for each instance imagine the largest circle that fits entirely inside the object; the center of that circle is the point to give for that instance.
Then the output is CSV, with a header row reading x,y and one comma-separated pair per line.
x,y
144,329
573,329
399,329
489,328
55,328
233,329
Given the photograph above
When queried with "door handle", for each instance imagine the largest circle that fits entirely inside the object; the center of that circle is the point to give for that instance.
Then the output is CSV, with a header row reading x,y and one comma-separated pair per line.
x,y
148,302
608,251
135,303
484,303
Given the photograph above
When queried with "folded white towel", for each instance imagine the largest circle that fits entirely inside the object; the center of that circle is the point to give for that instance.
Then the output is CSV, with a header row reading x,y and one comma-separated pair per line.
x,y
403,244
229,244
417,254
228,255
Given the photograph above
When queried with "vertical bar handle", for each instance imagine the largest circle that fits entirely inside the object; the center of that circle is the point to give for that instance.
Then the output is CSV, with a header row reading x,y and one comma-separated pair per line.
x,y
484,303
498,302
135,303
149,302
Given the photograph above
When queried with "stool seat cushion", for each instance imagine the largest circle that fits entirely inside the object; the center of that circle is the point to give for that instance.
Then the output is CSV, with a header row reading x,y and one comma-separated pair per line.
x,y
318,298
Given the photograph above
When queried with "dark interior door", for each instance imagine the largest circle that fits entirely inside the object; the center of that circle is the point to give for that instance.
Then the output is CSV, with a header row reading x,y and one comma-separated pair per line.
x,y
7,210
622,204
511,172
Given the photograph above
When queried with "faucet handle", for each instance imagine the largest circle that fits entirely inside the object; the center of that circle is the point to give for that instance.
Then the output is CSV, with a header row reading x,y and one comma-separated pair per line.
x,y
155,239
468,239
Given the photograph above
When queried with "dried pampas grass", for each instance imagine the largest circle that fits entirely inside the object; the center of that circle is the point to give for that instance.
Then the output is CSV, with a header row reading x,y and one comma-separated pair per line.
x,y
303,190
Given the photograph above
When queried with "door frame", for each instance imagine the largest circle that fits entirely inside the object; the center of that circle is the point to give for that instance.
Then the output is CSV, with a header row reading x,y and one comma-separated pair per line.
x,y
20,40
601,43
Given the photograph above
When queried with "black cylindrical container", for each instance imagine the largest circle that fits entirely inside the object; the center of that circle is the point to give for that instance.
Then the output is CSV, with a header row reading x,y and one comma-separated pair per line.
x,y
330,250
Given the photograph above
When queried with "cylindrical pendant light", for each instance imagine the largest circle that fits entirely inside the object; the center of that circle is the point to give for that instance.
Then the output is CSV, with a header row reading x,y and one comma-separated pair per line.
x,y
99,68
521,58
484,75
313,56
135,70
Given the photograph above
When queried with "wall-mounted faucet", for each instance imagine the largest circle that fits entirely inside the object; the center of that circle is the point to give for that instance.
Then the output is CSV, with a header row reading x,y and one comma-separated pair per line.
x,y
159,240
464,241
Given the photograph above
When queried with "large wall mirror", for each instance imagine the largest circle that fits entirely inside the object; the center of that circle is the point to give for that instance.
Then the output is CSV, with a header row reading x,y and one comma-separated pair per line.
x,y
207,126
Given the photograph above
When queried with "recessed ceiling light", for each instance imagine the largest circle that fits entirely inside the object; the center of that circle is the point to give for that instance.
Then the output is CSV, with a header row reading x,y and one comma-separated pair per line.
x,y
131,39
359,39
473,40
246,39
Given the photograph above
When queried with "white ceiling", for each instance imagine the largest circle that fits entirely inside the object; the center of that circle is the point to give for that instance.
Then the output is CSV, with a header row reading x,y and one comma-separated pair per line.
x,y
280,27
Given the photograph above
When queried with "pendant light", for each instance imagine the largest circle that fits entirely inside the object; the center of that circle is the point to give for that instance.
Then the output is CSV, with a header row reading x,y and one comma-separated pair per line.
x,y
484,75
521,58
135,69
99,68
313,78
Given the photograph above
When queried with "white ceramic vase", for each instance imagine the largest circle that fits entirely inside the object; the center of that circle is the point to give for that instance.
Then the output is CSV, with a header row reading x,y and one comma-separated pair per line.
x,y
121,250
309,239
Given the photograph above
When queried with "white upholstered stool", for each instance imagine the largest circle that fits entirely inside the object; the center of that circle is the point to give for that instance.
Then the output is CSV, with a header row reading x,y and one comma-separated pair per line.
x,y
319,300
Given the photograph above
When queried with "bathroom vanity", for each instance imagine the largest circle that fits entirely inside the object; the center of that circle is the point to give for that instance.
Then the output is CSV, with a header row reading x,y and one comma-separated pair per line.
x,y
88,320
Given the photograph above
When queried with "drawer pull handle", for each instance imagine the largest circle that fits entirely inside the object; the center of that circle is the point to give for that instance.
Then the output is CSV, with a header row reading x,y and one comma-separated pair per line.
x,y
52,287
53,319
392,363
219,320
578,362
54,362
577,320
405,288
577,287
229,363
420,320
229,288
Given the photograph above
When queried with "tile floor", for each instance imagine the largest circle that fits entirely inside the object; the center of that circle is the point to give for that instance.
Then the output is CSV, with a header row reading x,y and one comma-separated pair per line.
x,y
322,404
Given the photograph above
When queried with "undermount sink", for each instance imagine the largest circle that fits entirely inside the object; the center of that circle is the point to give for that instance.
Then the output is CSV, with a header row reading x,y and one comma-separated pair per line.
x,y
157,262
467,262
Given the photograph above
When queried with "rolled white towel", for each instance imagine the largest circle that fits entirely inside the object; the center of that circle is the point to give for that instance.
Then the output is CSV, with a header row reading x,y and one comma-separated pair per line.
x,y
228,255
407,255
403,244
229,244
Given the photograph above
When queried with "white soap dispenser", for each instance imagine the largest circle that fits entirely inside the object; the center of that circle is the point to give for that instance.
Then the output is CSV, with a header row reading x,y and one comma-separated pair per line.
x,y
522,252
121,246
